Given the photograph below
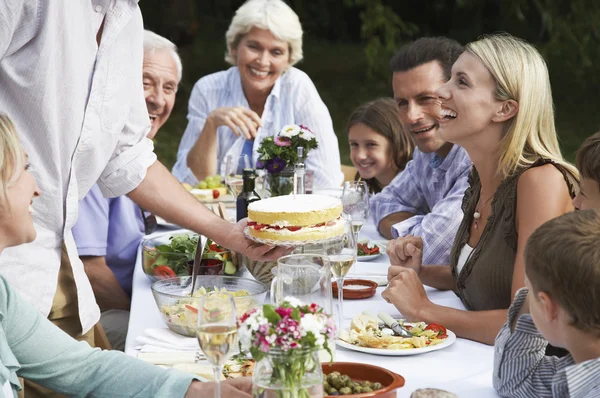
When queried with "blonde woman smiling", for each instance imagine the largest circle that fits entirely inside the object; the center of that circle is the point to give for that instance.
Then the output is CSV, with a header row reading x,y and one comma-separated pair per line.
x,y
498,106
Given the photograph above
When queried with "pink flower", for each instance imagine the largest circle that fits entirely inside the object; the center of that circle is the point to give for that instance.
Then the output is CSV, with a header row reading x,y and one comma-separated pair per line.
x,y
283,311
247,314
282,141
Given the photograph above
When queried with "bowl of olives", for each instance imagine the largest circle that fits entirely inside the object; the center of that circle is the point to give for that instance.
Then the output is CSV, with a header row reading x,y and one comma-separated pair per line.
x,y
359,380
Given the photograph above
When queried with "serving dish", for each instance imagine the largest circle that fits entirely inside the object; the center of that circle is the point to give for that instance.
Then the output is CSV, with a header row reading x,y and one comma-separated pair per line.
x,y
360,371
355,289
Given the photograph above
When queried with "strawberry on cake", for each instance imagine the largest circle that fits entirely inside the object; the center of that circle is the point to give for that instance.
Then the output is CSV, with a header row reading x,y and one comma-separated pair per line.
x,y
296,218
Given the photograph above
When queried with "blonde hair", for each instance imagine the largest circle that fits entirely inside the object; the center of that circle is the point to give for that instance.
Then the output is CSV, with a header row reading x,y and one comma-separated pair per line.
x,y
520,74
12,156
272,15
562,259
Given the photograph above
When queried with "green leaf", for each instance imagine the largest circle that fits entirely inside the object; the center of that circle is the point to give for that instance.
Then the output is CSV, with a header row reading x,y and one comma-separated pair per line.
x,y
295,314
270,314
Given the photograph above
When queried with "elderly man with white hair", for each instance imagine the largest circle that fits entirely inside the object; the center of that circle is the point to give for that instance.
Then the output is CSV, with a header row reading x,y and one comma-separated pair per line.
x,y
231,112
108,231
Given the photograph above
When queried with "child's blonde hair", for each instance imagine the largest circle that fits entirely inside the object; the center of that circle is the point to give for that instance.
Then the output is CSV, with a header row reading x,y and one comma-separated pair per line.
x,y
520,74
12,156
562,259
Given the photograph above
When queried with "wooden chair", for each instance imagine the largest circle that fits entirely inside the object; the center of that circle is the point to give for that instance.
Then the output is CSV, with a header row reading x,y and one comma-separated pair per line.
x,y
349,172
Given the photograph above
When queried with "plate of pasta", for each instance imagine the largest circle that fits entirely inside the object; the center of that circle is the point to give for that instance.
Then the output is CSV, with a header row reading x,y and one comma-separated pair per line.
x,y
368,335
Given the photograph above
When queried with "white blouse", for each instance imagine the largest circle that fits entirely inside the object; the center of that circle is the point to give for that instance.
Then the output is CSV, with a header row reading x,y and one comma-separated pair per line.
x,y
465,253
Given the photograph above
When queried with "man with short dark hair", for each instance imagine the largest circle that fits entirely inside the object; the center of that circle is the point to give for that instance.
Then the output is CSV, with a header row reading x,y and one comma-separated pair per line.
x,y
425,199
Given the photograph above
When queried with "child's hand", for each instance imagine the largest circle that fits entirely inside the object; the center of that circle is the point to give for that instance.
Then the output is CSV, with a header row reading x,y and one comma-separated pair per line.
x,y
524,310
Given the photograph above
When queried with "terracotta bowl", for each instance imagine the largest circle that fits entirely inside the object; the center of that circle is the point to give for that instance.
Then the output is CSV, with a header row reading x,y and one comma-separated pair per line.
x,y
361,371
368,290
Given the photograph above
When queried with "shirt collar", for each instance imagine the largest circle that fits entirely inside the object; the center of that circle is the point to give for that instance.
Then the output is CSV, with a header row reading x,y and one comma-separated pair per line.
x,y
436,162
581,378
235,86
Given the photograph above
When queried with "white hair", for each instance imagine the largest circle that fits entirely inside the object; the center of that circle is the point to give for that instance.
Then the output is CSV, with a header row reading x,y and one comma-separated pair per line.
x,y
153,42
272,15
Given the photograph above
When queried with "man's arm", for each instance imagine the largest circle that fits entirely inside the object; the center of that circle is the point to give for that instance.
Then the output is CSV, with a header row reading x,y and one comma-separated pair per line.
x,y
109,294
161,194
385,225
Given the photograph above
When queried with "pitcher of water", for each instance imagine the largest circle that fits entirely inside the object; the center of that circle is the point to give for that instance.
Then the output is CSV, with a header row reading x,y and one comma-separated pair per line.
x,y
307,278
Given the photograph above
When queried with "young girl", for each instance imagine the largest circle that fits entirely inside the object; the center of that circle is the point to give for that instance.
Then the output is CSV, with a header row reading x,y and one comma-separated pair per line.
x,y
379,148
33,348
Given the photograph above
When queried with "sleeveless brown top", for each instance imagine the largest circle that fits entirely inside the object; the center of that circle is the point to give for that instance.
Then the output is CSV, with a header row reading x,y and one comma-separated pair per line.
x,y
485,281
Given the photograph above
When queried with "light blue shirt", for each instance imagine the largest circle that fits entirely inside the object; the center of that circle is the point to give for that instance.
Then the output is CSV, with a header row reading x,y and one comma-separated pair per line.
x,y
432,189
112,228
293,100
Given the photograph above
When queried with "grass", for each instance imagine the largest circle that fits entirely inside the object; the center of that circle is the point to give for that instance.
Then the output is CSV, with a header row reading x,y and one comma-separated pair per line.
x,y
339,73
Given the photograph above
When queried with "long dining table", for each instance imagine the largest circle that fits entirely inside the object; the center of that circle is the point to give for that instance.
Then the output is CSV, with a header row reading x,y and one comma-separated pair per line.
x,y
464,368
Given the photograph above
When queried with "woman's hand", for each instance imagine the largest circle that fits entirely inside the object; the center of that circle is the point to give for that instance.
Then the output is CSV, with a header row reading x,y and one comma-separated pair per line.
x,y
405,291
405,253
240,387
242,121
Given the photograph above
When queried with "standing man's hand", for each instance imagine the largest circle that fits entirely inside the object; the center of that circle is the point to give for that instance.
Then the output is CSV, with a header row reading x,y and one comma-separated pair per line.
x,y
237,241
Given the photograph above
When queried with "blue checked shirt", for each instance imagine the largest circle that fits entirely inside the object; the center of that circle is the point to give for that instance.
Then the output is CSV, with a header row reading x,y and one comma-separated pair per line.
x,y
521,368
432,189
293,100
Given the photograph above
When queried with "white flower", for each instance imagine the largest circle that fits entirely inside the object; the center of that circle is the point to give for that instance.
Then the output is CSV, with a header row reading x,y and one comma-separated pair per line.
x,y
307,135
289,131
294,302
245,337
314,324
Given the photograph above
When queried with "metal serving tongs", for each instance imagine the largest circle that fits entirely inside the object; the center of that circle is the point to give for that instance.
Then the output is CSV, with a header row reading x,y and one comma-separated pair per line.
x,y
197,258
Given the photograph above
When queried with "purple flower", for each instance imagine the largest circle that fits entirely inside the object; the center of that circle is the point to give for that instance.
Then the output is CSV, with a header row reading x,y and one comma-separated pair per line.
x,y
260,164
282,141
275,165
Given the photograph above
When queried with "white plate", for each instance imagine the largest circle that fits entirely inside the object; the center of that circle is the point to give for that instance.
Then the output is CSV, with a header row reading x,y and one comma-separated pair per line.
x,y
409,351
369,257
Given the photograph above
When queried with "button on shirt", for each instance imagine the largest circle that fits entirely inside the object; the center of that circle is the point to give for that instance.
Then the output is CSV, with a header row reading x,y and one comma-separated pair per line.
x,y
522,370
80,113
111,228
432,190
293,100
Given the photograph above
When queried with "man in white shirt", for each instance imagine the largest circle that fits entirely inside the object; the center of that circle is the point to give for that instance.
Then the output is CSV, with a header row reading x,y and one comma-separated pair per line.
x,y
70,80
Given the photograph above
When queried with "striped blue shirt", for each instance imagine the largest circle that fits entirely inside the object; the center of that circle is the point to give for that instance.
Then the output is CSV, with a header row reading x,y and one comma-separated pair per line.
x,y
521,368
293,100
432,189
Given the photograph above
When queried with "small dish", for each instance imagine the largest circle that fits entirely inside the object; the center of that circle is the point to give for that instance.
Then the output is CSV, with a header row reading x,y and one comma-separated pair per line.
x,y
361,371
355,289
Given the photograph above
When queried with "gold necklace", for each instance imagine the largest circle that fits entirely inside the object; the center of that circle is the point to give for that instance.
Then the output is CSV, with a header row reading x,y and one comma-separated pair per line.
x,y
477,214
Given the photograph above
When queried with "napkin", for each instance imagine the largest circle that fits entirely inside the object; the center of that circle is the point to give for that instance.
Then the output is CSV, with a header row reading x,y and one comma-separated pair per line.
x,y
157,340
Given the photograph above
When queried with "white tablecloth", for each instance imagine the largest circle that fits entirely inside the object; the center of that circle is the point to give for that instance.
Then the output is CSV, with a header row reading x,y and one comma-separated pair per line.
x,y
464,368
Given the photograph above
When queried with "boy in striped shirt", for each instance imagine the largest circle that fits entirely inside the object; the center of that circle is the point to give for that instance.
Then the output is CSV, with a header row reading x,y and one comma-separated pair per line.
x,y
562,266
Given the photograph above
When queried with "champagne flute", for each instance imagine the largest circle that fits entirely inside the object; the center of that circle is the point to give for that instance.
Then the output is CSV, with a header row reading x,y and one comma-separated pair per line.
x,y
234,169
217,331
340,262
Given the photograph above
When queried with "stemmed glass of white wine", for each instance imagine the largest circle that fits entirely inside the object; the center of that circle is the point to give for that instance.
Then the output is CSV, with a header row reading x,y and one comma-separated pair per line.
x,y
341,260
217,331
234,169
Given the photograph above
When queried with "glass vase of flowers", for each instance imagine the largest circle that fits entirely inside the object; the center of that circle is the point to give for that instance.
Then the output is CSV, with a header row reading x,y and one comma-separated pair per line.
x,y
284,341
278,155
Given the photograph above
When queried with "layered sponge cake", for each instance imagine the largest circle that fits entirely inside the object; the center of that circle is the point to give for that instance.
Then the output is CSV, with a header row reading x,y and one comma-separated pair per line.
x,y
296,218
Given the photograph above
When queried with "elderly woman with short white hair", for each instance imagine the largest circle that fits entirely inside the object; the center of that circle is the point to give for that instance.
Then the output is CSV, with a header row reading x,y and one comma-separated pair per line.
x,y
232,111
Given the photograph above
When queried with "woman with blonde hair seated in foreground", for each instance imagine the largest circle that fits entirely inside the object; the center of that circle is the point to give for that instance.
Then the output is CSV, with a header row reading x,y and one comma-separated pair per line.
x,y
231,112
35,349
498,106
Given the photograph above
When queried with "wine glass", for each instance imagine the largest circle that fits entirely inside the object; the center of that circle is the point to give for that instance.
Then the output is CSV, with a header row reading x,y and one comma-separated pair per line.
x,y
217,331
355,202
341,260
234,169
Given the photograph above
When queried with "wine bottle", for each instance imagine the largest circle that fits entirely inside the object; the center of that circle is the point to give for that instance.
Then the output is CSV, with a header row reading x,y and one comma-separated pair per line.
x,y
247,196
